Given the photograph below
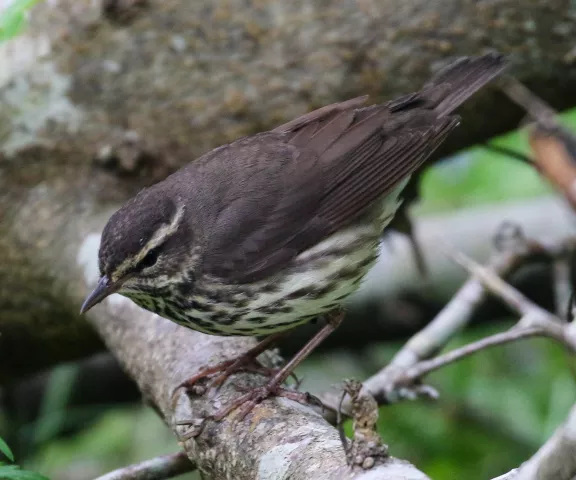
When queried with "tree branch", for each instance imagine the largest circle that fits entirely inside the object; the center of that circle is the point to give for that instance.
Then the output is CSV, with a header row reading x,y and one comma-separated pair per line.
x,y
139,101
280,437
555,460
159,468
94,88
423,368
399,379
532,315
553,146
434,336
554,153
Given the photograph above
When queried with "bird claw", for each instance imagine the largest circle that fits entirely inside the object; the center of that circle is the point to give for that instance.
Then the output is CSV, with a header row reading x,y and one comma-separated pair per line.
x,y
225,370
246,403
195,426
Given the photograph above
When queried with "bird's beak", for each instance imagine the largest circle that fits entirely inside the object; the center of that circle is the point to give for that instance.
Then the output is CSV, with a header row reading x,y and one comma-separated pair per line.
x,y
102,290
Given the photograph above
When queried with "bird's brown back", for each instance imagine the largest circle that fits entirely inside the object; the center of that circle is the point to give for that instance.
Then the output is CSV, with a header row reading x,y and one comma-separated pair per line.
x,y
258,202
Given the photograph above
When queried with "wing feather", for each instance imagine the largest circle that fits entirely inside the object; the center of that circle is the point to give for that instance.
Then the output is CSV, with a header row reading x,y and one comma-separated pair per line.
x,y
325,170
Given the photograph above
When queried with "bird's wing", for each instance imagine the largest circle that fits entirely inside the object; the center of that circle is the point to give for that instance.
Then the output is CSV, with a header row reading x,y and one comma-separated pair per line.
x,y
293,187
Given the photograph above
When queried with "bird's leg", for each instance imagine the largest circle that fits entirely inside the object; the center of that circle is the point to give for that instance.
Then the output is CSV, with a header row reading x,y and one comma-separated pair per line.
x,y
245,362
249,400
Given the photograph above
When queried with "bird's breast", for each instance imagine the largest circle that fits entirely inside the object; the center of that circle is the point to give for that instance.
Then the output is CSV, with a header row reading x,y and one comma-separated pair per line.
x,y
314,283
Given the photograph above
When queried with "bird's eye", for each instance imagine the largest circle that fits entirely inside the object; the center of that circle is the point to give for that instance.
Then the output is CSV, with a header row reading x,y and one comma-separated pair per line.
x,y
151,258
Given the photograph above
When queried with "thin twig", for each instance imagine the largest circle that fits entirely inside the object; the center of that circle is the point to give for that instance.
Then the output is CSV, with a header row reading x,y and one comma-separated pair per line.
x,y
534,322
159,468
532,314
554,158
562,288
534,105
425,367
397,381
340,423
508,152
452,319
555,460
552,145
366,448
512,297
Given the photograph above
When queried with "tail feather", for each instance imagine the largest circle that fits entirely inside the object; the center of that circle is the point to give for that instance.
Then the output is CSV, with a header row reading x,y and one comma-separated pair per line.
x,y
452,86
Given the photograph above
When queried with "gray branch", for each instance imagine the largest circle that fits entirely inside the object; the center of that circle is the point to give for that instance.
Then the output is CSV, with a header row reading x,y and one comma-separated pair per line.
x,y
85,98
92,110
280,439
432,338
159,468
397,380
555,460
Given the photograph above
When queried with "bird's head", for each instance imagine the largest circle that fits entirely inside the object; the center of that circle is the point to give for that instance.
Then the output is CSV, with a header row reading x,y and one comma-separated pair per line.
x,y
144,245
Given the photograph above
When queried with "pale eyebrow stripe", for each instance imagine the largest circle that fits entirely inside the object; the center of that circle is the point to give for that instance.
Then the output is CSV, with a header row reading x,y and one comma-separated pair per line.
x,y
159,236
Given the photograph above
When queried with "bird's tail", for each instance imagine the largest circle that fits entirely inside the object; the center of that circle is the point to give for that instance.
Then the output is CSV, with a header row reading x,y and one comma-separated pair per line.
x,y
453,85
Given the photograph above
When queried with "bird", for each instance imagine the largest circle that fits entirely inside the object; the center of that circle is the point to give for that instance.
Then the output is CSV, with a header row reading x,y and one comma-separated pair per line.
x,y
276,229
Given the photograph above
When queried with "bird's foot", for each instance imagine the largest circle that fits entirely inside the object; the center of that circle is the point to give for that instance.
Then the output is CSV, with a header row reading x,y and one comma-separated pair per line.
x,y
225,370
253,397
246,404
245,362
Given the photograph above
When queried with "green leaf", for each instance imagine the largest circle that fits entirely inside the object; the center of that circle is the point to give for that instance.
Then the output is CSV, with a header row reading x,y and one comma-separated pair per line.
x,y
53,412
13,17
14,472
5,449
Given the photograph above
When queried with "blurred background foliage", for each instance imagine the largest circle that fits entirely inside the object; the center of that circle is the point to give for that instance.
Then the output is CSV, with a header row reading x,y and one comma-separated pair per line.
x,y
496,408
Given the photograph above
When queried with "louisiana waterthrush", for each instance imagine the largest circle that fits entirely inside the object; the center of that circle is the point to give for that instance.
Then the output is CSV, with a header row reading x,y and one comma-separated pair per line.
x,y
276,229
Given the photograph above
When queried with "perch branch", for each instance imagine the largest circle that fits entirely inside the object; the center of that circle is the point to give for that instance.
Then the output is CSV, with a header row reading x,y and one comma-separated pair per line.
x,y
280,437
89,99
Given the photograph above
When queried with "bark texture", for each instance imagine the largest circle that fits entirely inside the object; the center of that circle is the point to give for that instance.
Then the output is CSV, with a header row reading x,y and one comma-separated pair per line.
x,y
97,102
279,439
